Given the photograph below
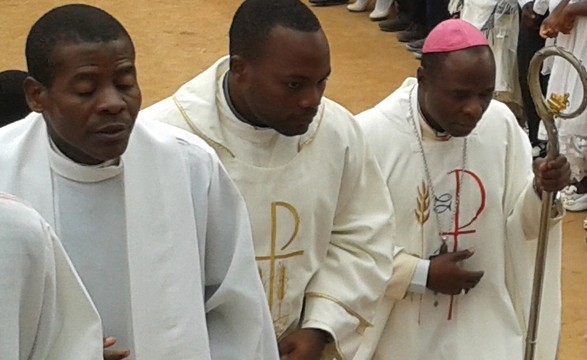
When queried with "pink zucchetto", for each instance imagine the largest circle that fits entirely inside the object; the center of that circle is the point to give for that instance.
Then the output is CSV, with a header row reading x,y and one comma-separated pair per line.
x,y
453,35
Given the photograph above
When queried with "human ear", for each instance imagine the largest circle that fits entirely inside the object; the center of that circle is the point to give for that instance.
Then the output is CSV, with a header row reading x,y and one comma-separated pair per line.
x,y
238,68
421,76
35,93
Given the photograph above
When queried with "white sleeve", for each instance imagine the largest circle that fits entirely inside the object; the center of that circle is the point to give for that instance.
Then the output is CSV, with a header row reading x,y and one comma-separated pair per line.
x,y
239,321
338,299
46,313
25,265
420,277
541,6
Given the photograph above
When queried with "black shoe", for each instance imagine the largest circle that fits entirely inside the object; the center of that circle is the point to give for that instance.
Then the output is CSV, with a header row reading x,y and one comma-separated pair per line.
x,y
399,23
328,2
415,45
414,32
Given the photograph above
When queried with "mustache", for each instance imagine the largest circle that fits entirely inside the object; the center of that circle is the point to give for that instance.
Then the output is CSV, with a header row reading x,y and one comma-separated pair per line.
x,y
114,123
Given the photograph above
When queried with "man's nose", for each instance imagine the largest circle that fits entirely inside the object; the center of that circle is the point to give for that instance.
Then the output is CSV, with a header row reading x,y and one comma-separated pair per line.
x,y
312,98
111,100
474,108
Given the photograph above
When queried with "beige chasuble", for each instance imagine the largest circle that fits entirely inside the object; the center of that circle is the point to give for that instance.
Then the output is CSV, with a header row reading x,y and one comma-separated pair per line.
x,y
321,218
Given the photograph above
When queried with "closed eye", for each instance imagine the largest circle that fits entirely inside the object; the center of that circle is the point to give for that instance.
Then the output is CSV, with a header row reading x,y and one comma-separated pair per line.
x,y
85,94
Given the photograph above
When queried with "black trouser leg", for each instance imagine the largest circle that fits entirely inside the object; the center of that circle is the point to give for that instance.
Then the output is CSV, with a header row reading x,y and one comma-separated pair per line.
x,y
436,12
416,9
529,41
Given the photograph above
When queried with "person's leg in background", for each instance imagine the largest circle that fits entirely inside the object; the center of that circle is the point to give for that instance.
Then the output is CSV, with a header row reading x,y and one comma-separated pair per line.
x,y
418,29
436,12
529,41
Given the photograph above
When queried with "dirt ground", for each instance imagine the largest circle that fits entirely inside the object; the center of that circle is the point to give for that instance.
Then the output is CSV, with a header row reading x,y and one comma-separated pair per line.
x,y
177,39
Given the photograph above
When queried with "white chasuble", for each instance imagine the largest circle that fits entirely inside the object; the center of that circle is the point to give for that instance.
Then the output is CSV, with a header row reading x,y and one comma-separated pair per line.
x,y
45,312
322,225
194,289
480,199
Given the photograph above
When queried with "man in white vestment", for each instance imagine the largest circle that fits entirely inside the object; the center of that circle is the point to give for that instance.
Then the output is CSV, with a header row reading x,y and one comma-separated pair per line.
x,y
45,312
467,202
151,221
319,208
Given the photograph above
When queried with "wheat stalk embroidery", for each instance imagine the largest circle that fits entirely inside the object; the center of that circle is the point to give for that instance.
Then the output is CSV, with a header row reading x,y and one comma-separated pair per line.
x,y
423,209
422,215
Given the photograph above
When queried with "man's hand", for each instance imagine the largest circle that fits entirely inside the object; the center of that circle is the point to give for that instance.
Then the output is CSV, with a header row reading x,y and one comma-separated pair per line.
x,y
560,20
550,26
445,276
567,23
114,354
530,19
551,175
303,344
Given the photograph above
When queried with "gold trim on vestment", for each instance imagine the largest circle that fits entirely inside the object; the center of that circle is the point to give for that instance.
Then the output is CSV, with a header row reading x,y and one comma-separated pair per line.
x,y
363,323
269,257
194,128
296,216
216,145
311,138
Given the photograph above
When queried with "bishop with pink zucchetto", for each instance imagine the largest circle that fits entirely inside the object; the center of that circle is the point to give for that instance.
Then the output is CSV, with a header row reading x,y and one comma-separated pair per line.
x,y
467,204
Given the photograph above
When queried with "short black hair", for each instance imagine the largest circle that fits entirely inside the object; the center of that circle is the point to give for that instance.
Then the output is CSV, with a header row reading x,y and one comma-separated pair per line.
x,y
254,20
68,24
13,105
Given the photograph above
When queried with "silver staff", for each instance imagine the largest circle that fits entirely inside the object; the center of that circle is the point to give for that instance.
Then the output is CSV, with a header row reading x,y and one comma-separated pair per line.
x,y
547,110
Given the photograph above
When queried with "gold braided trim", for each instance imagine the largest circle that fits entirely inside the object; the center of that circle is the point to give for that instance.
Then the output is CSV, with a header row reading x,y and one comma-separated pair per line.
x,y
195,130
311,138
269,257
216,145
363,324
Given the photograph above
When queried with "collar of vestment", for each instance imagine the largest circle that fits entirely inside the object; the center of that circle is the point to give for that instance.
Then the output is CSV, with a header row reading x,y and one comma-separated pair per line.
x,y
197,102
428,132
72,170
236,122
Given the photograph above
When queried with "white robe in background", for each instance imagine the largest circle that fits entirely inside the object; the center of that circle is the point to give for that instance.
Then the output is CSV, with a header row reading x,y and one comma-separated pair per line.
x,y
499,21
497,216
45,312
194,287
564,79
321,216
